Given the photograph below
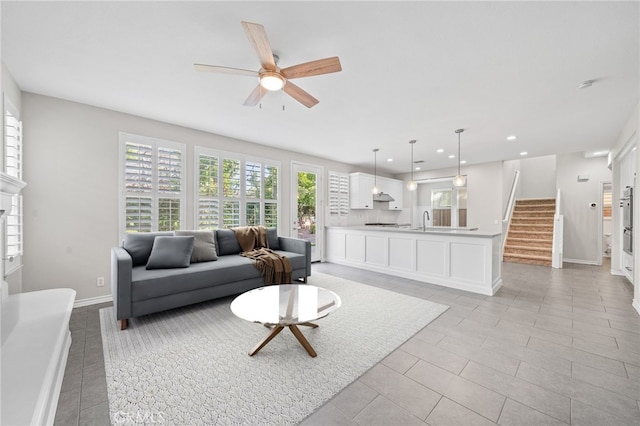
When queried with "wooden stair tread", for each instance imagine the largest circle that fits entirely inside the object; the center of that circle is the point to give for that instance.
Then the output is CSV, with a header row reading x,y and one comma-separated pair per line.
x,y
531,248
532,232
527,256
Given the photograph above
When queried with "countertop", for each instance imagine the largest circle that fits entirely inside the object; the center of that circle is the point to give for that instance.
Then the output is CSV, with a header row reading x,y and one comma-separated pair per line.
x,y
444,230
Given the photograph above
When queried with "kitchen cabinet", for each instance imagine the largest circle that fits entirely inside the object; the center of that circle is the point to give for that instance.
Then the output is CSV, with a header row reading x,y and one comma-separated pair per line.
x,y
394,188
464,260
360,194
360,187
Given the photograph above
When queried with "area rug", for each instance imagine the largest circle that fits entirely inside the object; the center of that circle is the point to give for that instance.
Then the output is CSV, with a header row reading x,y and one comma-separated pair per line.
x,y
189,366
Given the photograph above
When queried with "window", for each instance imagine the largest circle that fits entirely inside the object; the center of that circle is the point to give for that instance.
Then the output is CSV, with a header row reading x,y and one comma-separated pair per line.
x,y
441,207
13,167
234,190
153,184
338,196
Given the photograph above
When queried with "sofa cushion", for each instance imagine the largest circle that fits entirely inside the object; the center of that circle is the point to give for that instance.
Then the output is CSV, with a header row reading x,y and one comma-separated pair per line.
x,y
139,245
272,239
147,284
204,246
226,242
171,252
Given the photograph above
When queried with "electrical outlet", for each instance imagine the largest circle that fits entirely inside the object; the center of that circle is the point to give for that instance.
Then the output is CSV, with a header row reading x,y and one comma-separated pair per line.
x,y
100,282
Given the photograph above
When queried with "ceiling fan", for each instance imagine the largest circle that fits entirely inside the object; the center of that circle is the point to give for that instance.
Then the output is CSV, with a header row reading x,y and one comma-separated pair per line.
x,y
270,76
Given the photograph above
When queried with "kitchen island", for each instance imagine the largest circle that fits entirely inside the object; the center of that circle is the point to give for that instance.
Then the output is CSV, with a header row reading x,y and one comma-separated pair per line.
x,y
457,258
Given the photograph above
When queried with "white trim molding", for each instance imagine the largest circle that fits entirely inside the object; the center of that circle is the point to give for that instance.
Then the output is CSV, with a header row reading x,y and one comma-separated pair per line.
x,y
93,301
581,262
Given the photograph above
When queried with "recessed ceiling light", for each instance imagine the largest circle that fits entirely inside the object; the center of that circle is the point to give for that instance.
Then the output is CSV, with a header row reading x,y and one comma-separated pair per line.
x,y
452,156
440,151
524,153
511,138
463,161
417,168
389,160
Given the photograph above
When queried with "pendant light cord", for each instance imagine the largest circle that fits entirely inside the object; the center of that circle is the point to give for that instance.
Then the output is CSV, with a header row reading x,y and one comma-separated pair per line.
x,y
375,167
459,153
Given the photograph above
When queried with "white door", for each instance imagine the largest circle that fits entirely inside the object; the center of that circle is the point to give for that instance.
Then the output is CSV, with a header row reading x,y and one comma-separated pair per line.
x,y
307,205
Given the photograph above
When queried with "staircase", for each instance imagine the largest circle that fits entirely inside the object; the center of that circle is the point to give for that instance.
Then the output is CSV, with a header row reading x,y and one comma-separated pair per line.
x,y
530,235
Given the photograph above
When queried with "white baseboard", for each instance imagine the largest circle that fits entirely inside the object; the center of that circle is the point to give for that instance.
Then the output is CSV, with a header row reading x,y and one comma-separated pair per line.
x,y
580,261
92,301
636,305
617,272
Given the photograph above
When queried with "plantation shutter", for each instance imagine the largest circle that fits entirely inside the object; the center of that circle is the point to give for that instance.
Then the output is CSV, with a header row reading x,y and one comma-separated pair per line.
x,y
153,184
338,194
208,215
13,167
138,179
235,190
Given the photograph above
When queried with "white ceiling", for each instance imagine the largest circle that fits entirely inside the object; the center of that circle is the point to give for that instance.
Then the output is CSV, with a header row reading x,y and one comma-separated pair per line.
x,y
411,70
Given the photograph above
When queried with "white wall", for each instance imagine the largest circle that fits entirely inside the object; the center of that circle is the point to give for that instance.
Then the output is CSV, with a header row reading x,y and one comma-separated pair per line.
x,y
10,88
581,222
71,198
538,177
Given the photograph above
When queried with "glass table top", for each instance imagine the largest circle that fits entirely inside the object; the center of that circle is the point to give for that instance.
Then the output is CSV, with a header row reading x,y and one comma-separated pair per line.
x,y
285,304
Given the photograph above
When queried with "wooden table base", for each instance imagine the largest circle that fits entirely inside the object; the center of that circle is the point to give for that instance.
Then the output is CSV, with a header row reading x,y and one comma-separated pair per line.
x,y
296,332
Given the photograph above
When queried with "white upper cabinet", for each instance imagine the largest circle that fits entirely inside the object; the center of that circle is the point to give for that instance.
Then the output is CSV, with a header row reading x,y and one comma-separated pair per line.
x,y
360,191
361,195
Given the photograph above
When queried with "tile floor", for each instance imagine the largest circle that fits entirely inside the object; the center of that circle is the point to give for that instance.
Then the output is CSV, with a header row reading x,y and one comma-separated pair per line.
x,y
552,347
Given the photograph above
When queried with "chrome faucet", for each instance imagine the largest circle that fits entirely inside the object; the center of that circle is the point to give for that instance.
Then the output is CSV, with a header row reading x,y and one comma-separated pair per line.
x,y
424,222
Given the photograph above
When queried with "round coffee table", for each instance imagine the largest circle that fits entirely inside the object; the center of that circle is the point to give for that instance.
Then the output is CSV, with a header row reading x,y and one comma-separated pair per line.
x,y
286,305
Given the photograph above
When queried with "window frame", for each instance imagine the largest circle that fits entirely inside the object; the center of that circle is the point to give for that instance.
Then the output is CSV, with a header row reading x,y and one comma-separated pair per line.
x,y
13,259
155,193
242,199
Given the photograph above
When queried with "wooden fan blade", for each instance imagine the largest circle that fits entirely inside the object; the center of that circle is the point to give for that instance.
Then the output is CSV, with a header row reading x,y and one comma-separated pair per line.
x,y
299,95
317,67
258,38
255,96
225,70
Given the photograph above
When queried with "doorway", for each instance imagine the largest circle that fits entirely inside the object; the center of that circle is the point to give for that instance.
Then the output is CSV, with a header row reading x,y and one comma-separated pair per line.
x,y
307,209
605,234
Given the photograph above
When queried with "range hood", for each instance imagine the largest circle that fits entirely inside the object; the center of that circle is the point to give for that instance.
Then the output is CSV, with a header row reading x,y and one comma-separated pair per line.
x,y
382,197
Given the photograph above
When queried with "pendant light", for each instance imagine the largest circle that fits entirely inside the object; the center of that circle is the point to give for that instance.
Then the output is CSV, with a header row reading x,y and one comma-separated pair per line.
x,y
412,185
375,171
459,180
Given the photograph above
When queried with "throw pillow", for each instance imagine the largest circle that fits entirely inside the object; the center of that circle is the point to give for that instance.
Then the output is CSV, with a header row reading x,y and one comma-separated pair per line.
x,y
204,246
227,243
171,252
272,239
139,245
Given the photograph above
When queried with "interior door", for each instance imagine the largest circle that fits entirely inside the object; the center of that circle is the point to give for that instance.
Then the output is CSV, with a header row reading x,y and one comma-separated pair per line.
x,y
307,208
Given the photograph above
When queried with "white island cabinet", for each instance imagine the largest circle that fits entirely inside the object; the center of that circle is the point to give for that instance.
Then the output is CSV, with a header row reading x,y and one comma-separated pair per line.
x,y
461,259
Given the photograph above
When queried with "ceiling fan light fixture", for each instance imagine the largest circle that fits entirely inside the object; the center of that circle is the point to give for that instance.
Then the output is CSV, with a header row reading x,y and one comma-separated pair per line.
x,y
271,81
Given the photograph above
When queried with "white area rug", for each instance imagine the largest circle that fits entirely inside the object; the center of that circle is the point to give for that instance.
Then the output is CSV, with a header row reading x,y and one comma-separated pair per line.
x,y
189,366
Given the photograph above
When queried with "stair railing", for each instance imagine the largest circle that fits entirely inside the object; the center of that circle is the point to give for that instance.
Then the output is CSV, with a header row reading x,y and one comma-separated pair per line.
x,y
558,229
506,220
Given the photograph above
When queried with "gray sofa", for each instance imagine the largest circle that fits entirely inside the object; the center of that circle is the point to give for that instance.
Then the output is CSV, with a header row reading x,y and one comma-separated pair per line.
x,y
138,290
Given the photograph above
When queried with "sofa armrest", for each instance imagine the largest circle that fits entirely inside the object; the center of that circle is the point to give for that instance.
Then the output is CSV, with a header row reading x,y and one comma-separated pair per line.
x,y
297,245
121,268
